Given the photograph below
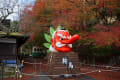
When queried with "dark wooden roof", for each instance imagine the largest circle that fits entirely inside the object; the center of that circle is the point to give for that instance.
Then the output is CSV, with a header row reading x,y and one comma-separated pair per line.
x,y
20,38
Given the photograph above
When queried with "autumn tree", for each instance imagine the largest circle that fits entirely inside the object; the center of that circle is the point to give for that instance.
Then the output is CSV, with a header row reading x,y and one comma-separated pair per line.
x,y
74,14
35,20
104,36
106,10
92,19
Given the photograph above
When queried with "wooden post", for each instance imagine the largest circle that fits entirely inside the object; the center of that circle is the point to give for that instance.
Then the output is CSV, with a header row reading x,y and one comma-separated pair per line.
x,y
2,71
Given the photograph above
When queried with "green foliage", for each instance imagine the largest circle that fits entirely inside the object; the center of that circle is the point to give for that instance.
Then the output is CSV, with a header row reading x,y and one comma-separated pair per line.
x,y
47,45
39,38
47,37
51,30
28,45
14,26
59,27
106,50
48,51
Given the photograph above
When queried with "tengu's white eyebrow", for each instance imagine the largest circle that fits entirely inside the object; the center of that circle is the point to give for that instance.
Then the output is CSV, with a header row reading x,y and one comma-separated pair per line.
x,y
60,35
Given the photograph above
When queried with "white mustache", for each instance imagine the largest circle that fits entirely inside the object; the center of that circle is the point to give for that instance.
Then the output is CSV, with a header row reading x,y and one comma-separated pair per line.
x,y
70,45
58,44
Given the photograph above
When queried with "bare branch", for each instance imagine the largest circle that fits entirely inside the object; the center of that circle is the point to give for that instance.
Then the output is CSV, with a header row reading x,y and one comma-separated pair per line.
x,y
6,8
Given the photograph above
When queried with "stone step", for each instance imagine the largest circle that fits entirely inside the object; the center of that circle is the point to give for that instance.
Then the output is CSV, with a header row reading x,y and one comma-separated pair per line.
x,y
60,60
72,57
66,56
66,71
56,67
70,54
62,65
60,68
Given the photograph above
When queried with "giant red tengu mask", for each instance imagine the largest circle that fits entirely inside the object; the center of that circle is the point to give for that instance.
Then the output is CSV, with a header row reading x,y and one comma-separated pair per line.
x,y
61,41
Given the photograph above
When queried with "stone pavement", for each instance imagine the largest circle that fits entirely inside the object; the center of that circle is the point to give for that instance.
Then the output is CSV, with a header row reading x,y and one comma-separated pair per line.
x,y
40,78
83,77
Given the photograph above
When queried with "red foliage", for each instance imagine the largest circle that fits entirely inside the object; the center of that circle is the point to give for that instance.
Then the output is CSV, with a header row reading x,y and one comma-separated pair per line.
x,y
33,19
74,14
106,36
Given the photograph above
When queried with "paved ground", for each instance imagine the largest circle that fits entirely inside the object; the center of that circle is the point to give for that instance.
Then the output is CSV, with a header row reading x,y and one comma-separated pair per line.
x,y
40,78
29,68
83,77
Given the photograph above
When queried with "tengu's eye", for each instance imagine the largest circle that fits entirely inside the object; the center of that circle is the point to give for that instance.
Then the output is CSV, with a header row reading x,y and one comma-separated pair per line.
x,y
61,38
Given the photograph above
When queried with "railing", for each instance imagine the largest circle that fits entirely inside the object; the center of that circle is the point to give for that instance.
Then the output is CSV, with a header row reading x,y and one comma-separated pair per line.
x,y
15,69
98,68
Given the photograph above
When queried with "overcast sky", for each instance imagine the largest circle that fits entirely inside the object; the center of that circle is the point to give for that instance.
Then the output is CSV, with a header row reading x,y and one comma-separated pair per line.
x,y
21,3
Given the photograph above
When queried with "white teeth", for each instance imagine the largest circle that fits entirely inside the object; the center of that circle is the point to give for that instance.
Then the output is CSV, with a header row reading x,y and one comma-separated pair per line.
x,y
70,45
58,44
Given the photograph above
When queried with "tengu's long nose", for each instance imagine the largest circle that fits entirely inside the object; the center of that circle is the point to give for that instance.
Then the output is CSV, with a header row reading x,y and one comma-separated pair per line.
x,y
71,40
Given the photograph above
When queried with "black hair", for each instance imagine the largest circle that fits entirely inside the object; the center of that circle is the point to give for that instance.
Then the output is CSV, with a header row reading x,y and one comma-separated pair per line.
x,y
63,28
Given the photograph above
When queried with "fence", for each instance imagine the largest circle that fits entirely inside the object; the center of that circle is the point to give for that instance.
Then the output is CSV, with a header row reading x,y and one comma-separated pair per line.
x,y
18,73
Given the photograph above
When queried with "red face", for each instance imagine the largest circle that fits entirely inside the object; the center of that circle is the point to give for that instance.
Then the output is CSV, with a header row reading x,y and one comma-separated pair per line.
x,y
60,36
62,41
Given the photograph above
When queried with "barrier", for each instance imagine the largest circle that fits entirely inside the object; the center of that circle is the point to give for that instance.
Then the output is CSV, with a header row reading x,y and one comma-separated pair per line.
x,y
74,75
11,64
67,75
19,73
102,66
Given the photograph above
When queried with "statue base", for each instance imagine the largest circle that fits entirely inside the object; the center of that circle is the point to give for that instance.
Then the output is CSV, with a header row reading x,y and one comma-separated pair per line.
x,y
57,65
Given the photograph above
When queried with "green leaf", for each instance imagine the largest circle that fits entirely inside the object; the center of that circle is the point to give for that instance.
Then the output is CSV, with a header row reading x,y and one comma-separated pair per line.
x,y
59,27
47,37
48,51
51,30
47,45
